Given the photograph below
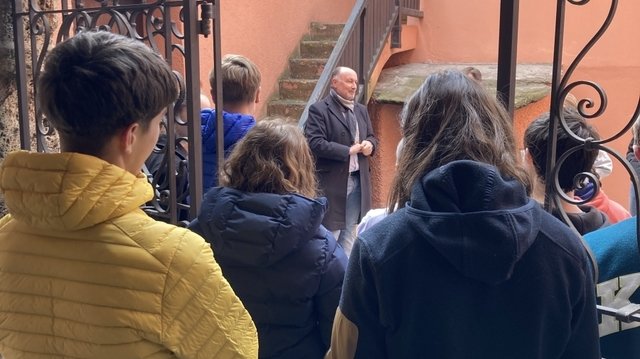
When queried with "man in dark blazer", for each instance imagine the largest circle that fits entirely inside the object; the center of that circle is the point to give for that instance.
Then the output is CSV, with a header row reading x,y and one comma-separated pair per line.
x,y
341,138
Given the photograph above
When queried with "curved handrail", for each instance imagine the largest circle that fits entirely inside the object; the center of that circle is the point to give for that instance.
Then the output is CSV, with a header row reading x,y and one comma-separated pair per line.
x,y
332,62
373,22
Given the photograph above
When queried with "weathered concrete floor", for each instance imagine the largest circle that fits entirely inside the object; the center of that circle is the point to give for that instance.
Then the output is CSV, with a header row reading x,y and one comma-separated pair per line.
x,y
397,84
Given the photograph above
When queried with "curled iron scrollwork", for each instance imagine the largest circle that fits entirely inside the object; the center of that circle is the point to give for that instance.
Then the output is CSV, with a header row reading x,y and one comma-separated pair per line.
x,y
585,104
586,107
158,23
589,109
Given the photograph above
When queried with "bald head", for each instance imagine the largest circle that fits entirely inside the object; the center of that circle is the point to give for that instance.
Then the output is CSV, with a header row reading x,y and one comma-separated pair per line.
x,y
342,69
344,81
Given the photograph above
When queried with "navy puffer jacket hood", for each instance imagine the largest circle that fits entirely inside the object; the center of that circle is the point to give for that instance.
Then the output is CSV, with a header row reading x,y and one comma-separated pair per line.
x,y
258,229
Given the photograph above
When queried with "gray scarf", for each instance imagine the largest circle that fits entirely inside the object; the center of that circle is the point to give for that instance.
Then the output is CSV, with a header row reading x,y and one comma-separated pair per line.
x,y
349,104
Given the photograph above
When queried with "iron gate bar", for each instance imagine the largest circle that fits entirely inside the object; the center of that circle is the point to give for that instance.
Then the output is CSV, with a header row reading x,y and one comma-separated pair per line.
x,y
192,64
554,111
21,76
171,138
507,54
219,100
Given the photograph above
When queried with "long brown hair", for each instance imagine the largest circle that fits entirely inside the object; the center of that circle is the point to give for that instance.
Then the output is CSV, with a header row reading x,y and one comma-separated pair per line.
x,y
273,157
452,117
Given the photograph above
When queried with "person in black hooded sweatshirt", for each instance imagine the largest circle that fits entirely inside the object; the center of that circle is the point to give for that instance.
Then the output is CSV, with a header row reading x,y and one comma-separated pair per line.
x,y
265,228
466,266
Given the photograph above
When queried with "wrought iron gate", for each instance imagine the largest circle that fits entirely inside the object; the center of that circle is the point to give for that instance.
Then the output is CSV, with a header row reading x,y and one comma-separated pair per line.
x,y
562,85
588,108
171,28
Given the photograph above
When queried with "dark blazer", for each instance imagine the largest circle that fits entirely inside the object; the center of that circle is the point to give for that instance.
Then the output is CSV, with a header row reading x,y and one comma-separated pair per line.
x,y
329,138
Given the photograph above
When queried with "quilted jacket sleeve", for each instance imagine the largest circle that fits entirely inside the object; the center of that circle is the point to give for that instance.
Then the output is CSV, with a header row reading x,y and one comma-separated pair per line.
x,y
201,315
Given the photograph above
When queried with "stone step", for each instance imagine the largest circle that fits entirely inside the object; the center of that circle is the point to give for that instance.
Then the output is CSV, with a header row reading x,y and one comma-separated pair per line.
x,y
306,68
286,108
296,89
321,31
315,49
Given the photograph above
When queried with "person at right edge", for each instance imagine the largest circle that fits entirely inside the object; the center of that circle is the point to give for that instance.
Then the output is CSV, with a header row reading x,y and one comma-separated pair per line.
x,y
468,266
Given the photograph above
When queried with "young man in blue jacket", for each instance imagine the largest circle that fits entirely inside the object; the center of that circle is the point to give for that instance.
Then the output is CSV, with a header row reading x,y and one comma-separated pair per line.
x,y
240,94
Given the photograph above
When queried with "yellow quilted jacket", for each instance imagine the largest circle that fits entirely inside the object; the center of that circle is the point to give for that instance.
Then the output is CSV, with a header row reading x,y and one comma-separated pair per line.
x,y
84,273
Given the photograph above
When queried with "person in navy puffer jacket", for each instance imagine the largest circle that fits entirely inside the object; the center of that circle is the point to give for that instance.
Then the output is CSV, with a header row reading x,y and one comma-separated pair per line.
x,y
240,94
265,228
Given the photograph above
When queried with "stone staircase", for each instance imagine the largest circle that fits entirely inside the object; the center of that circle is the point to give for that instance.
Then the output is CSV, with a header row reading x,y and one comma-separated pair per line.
x,y
305,67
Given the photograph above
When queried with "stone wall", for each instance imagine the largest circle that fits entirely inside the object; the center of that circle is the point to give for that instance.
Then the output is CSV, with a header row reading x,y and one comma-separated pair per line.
x,y
9,120
7,85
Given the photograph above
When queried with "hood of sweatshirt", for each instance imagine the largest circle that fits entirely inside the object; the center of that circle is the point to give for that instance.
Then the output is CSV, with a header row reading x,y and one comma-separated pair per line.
x,y
481,222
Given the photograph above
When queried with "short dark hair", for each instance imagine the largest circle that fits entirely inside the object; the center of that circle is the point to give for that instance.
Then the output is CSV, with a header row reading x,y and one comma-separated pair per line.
x,y
582,160
97,83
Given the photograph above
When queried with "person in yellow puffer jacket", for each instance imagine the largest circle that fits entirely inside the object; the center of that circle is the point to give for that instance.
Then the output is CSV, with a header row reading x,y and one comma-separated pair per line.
x,y
84,273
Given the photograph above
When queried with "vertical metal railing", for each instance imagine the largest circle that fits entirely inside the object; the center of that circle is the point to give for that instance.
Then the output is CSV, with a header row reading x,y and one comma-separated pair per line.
x,y
507,53
21,75
411,4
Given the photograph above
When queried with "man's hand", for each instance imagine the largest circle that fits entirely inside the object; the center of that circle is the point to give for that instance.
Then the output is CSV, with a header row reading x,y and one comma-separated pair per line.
x,y
367,148
357,148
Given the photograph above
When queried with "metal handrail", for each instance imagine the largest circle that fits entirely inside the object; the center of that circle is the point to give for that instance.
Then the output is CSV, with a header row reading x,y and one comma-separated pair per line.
x,y
356,25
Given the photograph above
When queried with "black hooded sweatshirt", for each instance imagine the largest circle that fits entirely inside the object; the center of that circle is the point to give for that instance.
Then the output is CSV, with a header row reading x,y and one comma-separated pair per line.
x,y
470,268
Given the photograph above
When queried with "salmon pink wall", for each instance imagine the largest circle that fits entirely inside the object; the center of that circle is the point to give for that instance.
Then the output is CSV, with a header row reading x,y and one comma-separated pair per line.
x,y
467,31
268,32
